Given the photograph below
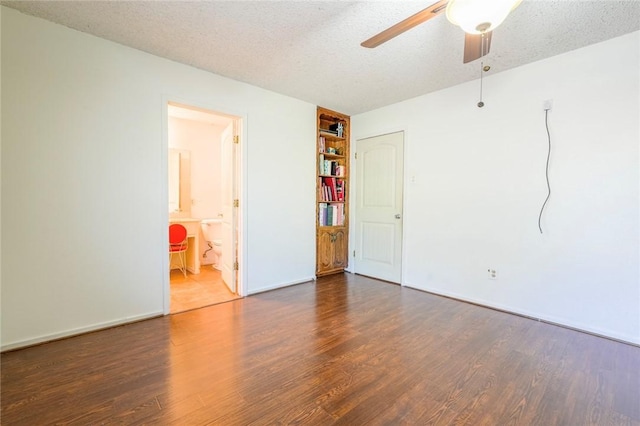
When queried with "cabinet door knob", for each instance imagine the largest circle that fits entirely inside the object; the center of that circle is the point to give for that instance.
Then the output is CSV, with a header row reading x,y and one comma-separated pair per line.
x,y
398,216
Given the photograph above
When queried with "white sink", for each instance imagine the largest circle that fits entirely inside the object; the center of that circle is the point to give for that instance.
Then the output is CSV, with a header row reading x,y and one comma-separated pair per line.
x,y
211,221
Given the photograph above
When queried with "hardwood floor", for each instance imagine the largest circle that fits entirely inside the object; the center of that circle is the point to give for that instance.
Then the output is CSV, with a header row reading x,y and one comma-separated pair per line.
x,y
344,350
199,290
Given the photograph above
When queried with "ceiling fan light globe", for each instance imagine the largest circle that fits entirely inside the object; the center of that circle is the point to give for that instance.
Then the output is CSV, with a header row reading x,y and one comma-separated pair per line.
x,y
478,16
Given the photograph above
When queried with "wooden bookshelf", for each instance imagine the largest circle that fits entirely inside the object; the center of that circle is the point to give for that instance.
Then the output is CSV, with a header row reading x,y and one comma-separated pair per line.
x,y
332,191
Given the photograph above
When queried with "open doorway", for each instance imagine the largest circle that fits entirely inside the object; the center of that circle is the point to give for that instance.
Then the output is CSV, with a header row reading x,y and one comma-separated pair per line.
x,y
203,173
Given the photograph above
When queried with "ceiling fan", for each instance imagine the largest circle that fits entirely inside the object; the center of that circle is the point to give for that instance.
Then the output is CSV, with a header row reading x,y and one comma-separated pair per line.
x,y
478,18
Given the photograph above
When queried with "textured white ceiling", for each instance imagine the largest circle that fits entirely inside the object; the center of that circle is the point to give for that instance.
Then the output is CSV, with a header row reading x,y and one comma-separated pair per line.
x,y
311,50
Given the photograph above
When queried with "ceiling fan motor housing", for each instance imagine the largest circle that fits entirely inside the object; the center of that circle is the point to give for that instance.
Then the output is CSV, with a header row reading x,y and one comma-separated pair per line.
x,y
483,27
476,16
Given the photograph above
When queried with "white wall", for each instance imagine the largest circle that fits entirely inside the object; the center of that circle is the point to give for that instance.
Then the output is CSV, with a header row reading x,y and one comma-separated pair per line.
x,y
480,182
203,141
84,212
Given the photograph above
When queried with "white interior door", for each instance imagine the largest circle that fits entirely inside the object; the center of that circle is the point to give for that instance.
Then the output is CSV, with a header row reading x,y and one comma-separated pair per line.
x,y
379,183
228,210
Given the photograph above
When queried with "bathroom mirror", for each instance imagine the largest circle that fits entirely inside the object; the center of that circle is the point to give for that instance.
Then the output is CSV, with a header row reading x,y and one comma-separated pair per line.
x,y
179,182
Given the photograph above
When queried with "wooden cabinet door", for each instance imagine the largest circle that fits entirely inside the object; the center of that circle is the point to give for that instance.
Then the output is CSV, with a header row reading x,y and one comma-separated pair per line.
x,y
339,249
325,251
332,250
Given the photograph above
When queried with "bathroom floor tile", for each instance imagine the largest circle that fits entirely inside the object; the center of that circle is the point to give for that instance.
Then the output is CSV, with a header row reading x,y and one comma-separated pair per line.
x,y
196,291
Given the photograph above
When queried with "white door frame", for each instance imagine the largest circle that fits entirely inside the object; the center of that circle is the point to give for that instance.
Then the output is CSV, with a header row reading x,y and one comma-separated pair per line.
x,y
353,186
230,213
241,187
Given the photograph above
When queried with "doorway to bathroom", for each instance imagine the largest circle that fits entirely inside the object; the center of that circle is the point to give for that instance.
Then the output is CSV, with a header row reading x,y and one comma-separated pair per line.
x,y
204,172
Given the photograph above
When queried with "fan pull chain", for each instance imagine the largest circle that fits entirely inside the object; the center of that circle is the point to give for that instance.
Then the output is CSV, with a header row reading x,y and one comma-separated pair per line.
x,y
481,104
483,69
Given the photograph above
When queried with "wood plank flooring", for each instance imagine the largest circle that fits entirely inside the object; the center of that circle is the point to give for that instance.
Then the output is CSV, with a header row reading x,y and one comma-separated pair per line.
x,y
198,290
345,350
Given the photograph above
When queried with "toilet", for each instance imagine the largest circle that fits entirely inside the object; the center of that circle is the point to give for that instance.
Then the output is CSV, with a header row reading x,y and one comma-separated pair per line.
x,y
217,249
212,254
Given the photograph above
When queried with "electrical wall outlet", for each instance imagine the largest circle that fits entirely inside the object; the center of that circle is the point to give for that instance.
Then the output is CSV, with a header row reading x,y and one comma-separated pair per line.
x,y
547,104
492,274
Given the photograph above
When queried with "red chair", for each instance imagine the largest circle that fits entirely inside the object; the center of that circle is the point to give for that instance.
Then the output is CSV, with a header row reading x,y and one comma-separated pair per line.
x,y
178,244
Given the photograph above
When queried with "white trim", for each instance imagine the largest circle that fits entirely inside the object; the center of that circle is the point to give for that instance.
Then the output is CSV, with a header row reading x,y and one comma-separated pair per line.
x,y
77,331
282,285
562,322
405,192
243,278
382,132
164,198
242,196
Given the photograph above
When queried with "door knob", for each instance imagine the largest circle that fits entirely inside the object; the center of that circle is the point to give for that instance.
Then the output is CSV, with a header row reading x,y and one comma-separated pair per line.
x,y
397,216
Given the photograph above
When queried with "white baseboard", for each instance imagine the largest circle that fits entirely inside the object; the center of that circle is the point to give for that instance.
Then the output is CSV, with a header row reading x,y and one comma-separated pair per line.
x,y
281,285
77,331
561,322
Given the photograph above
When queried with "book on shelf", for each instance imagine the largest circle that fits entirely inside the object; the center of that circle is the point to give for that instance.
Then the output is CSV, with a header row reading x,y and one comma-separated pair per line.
x,y
322,214
331,214
326,195
329,131
331,183
332,189
331,167
321,144
338,128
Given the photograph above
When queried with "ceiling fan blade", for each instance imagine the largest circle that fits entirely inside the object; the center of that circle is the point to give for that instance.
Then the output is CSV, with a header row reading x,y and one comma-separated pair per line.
x,y
474,47
402,26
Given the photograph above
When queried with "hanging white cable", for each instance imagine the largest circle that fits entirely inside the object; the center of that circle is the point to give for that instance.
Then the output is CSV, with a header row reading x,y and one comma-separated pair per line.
x,y
546,123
